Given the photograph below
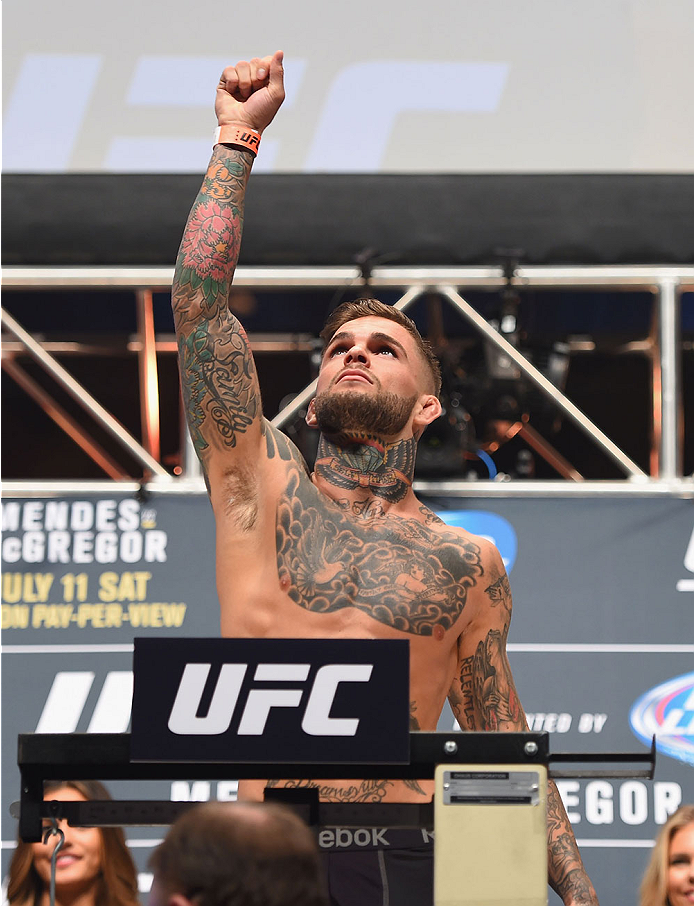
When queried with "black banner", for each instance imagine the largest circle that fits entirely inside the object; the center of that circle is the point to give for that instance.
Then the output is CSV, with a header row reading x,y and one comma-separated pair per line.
x,y
271,700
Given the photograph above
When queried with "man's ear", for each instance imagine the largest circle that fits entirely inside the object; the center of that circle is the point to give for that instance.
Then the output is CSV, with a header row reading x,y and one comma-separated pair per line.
x,y
428,410
311,420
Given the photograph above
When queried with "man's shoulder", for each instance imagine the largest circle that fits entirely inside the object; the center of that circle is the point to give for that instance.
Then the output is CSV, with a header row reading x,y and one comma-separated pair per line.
x,y
487,549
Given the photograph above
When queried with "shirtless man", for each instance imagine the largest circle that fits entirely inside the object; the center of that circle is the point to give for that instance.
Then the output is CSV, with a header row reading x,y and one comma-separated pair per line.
x,y
348,551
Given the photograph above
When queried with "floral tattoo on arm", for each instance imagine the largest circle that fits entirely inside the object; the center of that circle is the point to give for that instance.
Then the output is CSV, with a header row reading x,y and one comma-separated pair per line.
x,y
218,375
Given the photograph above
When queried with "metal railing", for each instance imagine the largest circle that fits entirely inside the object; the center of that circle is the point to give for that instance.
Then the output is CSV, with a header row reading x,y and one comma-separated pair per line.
x,y
665,283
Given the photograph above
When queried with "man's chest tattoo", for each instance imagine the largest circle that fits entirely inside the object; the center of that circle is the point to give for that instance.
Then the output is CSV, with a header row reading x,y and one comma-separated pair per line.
x,y
398,571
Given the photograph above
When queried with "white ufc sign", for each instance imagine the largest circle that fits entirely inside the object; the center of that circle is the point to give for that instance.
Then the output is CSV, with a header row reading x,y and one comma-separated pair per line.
x,y
311,701
316,720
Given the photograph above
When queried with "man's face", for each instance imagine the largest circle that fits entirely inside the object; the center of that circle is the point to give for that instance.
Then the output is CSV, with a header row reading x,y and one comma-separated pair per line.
x,y
371,376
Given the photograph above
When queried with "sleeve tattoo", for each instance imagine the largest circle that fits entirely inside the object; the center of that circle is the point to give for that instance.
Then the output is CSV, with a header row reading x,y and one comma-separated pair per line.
x,y
218,375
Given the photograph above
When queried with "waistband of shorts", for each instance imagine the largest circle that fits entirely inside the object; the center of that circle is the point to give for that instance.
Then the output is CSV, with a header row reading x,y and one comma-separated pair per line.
x,y
361,839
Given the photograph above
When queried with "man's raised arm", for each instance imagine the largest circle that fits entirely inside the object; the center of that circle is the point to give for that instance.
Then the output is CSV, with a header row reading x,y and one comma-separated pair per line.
x,y
483,697
220,386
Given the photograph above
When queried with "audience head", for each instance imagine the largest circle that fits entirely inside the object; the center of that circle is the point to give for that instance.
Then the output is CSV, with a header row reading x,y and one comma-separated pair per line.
x,y
238,854
669,877
93,863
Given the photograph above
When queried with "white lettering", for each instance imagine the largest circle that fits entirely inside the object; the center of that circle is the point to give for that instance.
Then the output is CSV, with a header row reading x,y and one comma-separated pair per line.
x,y
58,547
155,547
366,98
183,720
106,547
317,720
77,75
33,547
228,790
343,837
131,547
260,703
105,515
599,805
82,516
65,702
363,836
112,710
599,721
82,547
591,723
326,838
32,516
564,723
56,515
10,517
198,791
633,802
128,515
68,695
11,550
604,802
667,798
568,790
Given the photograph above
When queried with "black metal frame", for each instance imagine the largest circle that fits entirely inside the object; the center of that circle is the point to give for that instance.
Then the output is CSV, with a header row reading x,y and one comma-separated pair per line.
x,y
106,756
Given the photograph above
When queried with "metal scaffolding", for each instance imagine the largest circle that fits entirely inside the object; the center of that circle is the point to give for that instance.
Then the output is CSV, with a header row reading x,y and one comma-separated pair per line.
x,y
450,283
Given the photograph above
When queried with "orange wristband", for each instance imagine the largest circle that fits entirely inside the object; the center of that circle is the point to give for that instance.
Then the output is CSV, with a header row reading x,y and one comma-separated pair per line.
x,y
237,135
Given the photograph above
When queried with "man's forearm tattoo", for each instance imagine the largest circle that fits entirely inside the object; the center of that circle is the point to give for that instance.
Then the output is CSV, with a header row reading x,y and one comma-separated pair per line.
x,y
566,872
218,376
218,383
212,239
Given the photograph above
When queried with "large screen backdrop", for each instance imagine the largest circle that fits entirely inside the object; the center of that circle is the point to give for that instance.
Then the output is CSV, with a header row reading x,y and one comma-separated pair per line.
x,y
453,86
601,642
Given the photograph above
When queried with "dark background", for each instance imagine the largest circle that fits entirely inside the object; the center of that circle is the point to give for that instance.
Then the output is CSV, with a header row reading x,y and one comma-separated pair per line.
x,y
328,219
374,220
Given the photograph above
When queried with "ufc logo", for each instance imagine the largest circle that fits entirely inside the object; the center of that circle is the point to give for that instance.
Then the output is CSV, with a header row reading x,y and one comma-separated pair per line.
x,y
316,720
250,138
66,704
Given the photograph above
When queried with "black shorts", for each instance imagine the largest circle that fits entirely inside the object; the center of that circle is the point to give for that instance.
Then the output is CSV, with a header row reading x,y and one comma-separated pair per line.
x,y
372,866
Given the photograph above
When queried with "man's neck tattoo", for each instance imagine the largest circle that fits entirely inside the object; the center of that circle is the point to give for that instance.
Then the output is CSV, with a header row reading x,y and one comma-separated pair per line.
x,y
386,470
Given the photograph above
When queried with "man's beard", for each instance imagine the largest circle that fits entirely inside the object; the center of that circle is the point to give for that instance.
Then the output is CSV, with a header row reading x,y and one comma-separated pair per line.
x,y
348,413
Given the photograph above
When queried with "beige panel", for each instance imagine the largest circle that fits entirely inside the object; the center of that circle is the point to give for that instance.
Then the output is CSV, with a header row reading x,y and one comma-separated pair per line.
x,y
490,854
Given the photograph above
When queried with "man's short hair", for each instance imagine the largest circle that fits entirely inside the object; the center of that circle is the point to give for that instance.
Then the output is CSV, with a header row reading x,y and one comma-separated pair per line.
x,y
240,854
363,308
